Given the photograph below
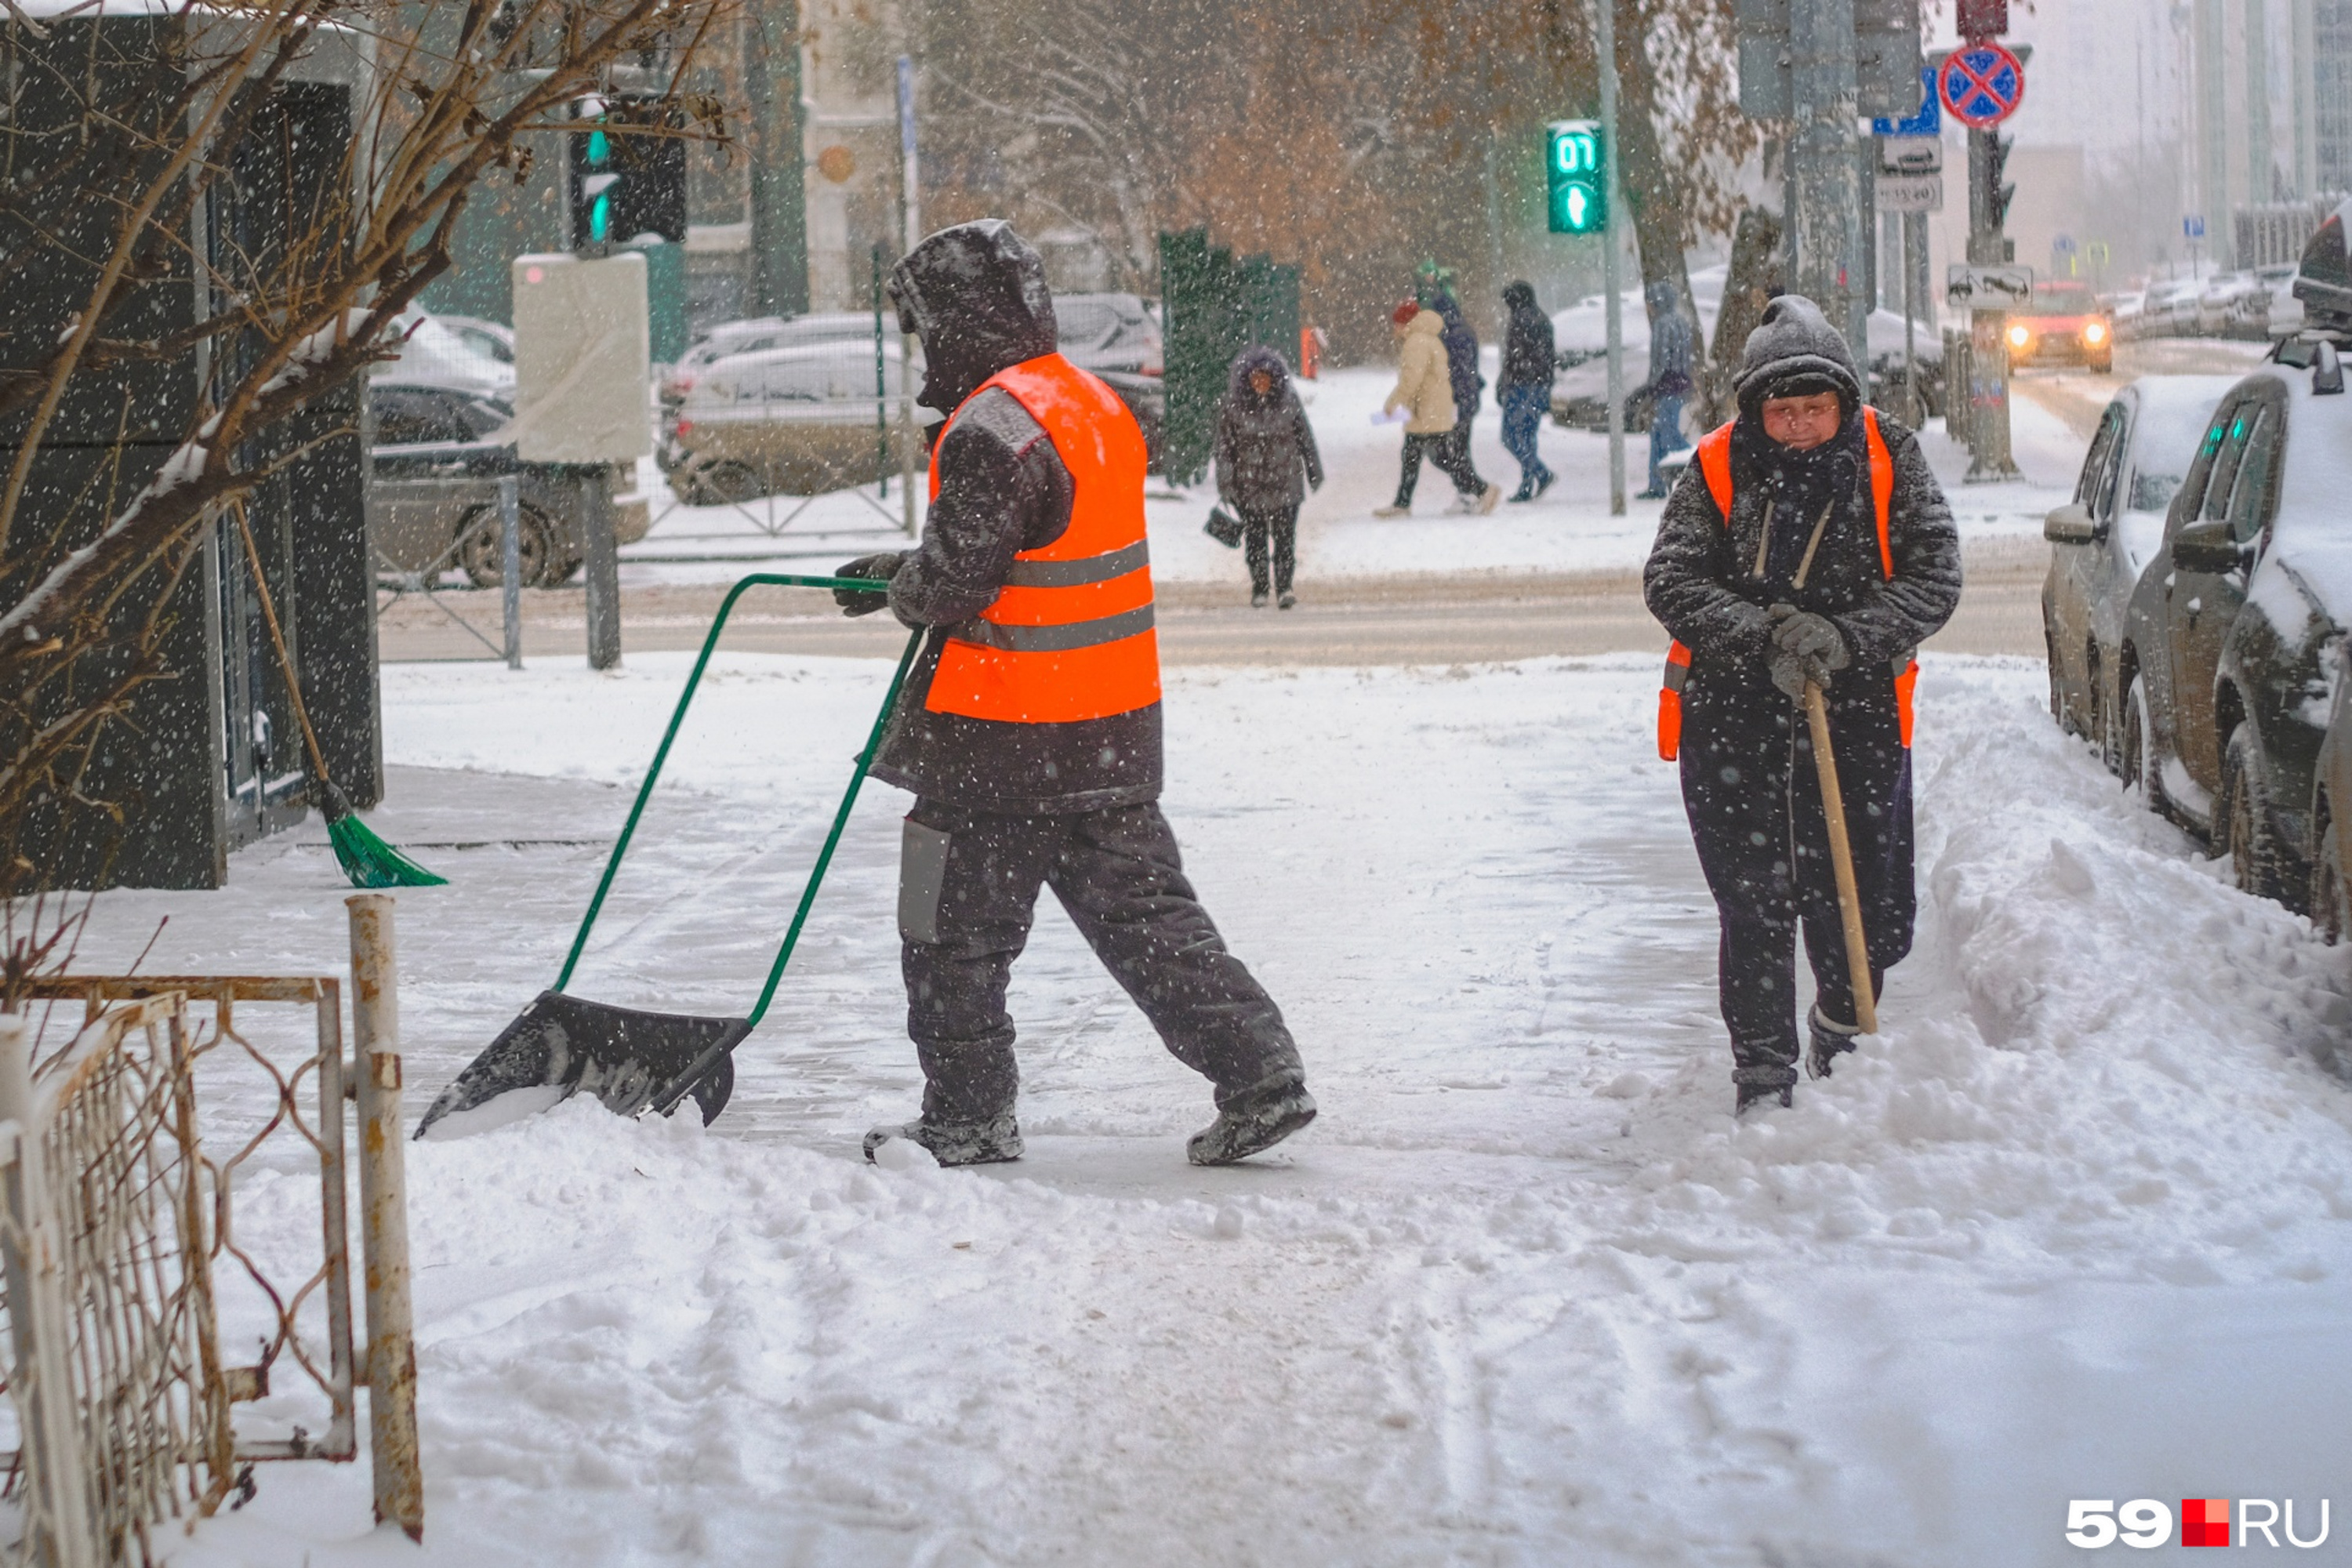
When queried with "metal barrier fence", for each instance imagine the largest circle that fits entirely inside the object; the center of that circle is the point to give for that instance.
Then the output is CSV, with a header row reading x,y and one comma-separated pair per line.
x,y
122,1172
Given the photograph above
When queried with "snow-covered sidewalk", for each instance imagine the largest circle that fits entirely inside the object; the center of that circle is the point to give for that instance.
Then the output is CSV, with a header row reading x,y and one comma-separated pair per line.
x,y
1569,530
1526,1294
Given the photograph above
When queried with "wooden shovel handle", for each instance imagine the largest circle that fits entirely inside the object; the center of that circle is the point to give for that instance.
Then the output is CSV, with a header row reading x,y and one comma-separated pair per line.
x,y
1857,947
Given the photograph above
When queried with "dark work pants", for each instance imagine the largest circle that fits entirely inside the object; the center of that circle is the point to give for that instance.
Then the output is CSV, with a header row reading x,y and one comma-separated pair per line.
x,y
967,892
1754,800
1450,451
1282,527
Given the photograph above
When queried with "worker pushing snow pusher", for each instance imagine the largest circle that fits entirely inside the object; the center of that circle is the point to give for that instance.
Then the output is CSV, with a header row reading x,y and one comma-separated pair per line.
x,y
1031,734
1802,559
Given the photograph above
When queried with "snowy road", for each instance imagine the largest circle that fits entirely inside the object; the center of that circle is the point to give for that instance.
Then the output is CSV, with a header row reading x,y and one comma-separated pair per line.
x,y
1526,1294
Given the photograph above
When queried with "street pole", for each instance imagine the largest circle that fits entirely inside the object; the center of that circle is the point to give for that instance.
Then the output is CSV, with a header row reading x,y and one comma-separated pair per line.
x,y
1614,310
1824,172
1987,389
600,550
911,186
1911,411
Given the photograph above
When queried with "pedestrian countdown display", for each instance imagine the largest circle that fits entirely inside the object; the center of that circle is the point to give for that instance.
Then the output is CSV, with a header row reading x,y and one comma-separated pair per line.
x,y
1576,162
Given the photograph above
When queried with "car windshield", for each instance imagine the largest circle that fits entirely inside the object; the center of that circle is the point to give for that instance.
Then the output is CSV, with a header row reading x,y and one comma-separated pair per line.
x,y
2059,299
2171,422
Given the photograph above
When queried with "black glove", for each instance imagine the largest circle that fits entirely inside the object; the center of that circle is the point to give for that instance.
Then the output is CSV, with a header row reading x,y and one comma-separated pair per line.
x,y
1805,647
864,602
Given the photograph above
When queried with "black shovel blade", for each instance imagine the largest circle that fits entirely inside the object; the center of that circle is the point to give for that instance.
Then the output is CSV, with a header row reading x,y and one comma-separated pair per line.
x,y
562,1045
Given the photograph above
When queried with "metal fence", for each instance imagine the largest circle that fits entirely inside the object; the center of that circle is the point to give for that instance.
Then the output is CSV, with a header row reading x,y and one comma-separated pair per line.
x,y
123,1154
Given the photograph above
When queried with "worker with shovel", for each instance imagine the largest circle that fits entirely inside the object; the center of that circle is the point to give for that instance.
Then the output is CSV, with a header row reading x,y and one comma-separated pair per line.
x,y
1803,558
1029,728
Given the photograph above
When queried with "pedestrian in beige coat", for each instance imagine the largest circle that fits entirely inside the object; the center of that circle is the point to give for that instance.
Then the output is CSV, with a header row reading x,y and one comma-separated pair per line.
x,y
1423,390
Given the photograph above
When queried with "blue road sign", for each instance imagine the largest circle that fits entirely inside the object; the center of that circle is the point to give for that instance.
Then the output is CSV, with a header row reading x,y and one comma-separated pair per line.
x,y
2193,227
1928,122
1981,84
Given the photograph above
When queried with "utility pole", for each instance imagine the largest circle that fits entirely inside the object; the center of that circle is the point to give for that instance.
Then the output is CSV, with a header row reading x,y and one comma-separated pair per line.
x,y
1614,311
1825,176
780,278
911,185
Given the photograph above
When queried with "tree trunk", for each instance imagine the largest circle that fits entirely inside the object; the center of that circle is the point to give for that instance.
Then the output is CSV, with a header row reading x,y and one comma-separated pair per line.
x,y
1754,274
1650,190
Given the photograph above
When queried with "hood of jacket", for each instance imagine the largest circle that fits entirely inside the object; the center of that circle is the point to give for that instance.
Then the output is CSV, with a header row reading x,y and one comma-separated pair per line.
x,y
1248,363
1428,324
1795,343
1519,297
976,295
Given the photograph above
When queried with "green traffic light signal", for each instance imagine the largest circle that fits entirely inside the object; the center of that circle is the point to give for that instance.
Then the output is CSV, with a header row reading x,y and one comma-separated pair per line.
x,y
1576,164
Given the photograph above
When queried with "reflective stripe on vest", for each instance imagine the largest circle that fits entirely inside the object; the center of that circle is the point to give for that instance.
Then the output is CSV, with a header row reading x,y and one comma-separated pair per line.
x,y
1714,457
1069,637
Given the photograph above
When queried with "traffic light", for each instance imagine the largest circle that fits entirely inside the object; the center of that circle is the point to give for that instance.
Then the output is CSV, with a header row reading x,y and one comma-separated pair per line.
x,y
1576,162
627,182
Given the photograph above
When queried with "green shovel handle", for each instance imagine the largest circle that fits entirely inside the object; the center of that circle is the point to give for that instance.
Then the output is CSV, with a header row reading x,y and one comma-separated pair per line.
x,y
661,755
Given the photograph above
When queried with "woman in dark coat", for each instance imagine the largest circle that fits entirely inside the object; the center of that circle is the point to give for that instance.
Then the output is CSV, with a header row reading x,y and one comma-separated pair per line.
x,y
1794,584
1266,462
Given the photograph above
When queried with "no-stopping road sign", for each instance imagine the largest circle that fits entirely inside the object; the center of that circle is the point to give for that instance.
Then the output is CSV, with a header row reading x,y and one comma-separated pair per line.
x,y
1981,84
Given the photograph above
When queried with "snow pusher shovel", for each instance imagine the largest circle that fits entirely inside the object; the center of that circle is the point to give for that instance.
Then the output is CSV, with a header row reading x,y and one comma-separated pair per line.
x,y
1857,947
635,1061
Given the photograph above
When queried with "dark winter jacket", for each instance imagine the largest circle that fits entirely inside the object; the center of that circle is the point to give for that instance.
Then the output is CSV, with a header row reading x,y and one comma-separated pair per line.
x,y
1703,581
977,292
1461,357
1266,457
1670,343
1528,346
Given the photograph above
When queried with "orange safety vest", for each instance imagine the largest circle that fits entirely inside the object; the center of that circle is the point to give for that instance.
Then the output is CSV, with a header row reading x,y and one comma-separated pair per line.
x,y
1070,636
1714,455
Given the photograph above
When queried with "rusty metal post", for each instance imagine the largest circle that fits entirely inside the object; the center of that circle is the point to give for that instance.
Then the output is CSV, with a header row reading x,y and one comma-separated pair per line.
x,y
57,1527
384,1216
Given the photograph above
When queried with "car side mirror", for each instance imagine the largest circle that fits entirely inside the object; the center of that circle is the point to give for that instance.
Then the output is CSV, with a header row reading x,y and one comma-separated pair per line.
x,y
2073,524
2208,547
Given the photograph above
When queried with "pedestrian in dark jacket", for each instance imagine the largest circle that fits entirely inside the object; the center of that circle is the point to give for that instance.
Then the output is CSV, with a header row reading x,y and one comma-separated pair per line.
x,y
1266,462
1792,587
1524,389
1029,728
1670,381
1467,384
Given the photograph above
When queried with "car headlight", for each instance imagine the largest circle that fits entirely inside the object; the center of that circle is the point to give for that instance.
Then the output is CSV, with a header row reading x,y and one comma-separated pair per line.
x,y
2019,335
2095,333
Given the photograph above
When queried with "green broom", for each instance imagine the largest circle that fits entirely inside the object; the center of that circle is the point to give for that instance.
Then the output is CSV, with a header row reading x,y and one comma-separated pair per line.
x,y
366,860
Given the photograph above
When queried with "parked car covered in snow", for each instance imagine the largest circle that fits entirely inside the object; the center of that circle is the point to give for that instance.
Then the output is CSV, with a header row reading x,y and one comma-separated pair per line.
x,y
800,420
438,455
2103,538
2226,665
427,353
2168,309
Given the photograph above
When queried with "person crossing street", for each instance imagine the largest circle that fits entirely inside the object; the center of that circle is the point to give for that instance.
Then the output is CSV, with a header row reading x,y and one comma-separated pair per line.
x,y
1806,542
1029,730
1524,387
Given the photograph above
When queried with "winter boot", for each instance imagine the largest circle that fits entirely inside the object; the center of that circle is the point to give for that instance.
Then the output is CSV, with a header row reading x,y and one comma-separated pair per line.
x,y
1827,1040
1257,599
988,1142
1545,483
1525,493
1254,1121
1399,510
1487,498
1765,1094
1287,600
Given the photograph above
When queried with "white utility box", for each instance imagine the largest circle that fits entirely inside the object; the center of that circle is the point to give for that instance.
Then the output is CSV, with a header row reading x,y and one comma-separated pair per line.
x,y
583,378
